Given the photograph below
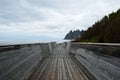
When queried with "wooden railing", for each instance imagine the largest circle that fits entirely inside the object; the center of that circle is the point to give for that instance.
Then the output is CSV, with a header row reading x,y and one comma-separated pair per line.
x,y
100,59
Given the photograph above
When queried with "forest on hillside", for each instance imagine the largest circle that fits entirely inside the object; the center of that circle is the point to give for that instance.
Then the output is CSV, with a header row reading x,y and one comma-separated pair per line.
x,y
106,30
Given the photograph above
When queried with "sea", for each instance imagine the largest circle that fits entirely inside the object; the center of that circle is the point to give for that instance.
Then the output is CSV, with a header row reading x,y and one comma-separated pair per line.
x,y
7,42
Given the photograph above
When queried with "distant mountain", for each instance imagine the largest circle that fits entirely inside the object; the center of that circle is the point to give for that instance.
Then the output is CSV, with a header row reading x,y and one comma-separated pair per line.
x,y
106,30
74,34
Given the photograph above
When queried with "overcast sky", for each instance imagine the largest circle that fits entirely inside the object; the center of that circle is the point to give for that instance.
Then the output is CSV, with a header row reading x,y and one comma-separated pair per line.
x,y
49,20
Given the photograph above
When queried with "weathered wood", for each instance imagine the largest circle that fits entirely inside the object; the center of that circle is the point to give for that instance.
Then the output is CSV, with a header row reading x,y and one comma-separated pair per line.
x,y
60,66
42,61
102,66
17,62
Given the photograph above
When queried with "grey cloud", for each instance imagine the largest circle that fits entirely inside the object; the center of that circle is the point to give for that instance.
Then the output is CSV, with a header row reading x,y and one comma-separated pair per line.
x,y
54,15
12,11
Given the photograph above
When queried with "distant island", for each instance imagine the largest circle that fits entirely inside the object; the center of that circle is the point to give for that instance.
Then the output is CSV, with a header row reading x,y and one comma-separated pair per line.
x,y
106,30
74,34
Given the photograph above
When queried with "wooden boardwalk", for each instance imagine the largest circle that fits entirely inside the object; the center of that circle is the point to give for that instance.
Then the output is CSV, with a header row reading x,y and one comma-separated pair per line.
x,y
60,66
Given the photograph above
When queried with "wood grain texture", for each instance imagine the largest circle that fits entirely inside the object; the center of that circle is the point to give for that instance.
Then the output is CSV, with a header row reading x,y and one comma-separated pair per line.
x,y
60,66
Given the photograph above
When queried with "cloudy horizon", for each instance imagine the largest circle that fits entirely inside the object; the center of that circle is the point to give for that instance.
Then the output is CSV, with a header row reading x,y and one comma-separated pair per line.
x,y
49,20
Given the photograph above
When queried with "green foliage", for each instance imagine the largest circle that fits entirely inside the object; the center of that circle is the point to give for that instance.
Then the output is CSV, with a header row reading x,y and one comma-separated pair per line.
x,y
105,30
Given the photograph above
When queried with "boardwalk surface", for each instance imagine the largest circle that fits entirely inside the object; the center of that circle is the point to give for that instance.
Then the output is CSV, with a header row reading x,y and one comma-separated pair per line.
x,y
60,66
